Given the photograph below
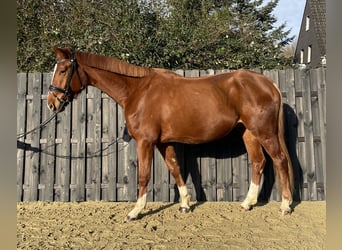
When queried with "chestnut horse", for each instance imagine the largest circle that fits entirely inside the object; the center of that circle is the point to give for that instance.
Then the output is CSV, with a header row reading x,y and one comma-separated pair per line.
x,y
162,107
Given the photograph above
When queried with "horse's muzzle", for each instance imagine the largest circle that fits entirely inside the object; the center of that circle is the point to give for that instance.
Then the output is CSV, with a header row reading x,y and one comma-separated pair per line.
x,y
55,104
51,107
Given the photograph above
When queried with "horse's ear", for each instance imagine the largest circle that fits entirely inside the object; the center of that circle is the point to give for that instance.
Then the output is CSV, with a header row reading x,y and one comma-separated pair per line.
x,y
61,53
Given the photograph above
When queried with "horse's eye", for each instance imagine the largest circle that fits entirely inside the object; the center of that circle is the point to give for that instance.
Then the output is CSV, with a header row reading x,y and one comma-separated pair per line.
x,y
62,72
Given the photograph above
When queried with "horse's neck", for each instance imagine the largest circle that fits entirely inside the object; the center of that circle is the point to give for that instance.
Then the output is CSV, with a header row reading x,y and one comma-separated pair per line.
x,y
116,86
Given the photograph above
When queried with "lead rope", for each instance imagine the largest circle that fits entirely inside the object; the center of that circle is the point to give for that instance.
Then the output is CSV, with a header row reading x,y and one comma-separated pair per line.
x,y
125,137
40,126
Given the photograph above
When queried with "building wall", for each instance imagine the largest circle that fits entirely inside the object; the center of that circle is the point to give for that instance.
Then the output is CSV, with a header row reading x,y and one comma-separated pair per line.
x,y
306,39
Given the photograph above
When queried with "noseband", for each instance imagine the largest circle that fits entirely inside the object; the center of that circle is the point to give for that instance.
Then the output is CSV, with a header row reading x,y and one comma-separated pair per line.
x,y
68,93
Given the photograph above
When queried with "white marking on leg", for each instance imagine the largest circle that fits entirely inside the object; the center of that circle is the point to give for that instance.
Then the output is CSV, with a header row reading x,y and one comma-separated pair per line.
x,y
252,195
285,206
261,183
185,196
139,206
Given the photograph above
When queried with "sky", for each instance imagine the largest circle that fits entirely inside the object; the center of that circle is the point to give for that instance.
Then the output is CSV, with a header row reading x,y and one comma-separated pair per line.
x,y
291,12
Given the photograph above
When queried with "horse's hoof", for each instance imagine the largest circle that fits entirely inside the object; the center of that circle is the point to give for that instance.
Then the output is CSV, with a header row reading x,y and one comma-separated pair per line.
x,y
184,209
131,218
246,208
286,211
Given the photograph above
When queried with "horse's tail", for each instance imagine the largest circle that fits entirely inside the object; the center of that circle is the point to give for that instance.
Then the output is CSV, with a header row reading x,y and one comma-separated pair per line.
x,y
281,138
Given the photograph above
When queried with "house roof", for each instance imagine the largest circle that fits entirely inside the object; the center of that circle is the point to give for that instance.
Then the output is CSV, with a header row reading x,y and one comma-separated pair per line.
x,y
318,13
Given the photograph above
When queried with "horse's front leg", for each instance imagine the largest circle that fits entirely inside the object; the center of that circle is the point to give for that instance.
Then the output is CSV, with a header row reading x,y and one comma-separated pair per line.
x,y
145,151
169,155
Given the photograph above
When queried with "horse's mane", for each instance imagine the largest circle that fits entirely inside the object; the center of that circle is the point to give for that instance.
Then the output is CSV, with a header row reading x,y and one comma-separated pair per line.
x,y
112,65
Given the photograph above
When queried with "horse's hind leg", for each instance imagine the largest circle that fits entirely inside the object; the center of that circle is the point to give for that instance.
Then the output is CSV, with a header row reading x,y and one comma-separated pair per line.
x,y
258,161
281,164
169,155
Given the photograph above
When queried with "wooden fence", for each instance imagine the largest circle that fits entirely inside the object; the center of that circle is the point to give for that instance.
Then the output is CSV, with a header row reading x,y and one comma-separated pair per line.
x,y
76,157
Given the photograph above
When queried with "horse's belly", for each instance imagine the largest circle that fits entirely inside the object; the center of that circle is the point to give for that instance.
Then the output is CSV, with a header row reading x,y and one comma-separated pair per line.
x,y
197,131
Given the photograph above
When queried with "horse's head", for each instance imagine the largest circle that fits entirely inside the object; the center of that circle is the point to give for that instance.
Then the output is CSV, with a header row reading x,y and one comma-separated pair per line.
x,y
67,80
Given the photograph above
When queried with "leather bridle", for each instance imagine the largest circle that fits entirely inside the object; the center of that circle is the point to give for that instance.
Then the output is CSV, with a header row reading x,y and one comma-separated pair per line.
x,y
68,94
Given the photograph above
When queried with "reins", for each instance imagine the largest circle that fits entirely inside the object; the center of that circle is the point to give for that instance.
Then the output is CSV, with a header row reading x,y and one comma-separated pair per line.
x,y
40,126
124,138
97,153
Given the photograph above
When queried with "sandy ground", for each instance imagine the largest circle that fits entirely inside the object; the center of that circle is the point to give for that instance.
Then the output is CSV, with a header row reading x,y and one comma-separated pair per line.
x,y
210,225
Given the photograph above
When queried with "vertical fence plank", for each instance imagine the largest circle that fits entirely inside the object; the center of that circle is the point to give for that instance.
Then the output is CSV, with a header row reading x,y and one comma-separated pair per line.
x,y
91,177
207,173
109,138
47,142
299,86
50,151
180,72
317,126
21,128
236,182
78,148
161,178
113,150
290,88
127,165
93,185
244,176
105,145
32,140
62,182
321,82
309,144
97,143
224,178
133,170
224,169
122,176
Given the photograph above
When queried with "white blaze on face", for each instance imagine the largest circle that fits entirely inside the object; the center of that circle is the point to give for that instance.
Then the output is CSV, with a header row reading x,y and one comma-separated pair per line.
x,y
54,72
